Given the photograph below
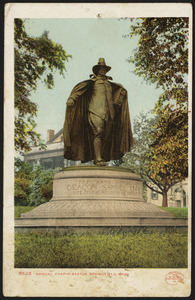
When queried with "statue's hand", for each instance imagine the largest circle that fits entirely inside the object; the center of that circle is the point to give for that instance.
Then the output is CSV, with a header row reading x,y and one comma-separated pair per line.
x,y
117,108
70,102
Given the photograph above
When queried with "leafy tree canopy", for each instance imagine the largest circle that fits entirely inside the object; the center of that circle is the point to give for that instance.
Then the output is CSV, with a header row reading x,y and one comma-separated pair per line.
x,y
138,160
162,54
171,143
162,58
160,158
36,58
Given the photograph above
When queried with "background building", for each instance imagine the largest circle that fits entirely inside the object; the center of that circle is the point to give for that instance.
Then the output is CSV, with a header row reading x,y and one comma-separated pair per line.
x,y
53,156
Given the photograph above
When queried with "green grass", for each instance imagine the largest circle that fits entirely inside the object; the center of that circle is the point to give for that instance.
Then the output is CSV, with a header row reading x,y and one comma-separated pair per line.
x,y
179,212
18,210
113,250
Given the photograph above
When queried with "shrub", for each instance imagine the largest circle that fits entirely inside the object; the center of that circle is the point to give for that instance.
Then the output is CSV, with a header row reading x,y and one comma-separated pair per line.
x,y
32,187
23,177
21,190
47,190
41,179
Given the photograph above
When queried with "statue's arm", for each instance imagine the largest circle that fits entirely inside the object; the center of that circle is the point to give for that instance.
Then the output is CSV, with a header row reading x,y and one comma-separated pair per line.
x,y
121,97
77,91
120,93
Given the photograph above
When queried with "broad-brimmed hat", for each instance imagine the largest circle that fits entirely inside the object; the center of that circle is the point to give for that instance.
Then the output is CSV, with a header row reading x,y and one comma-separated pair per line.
x,y
101,62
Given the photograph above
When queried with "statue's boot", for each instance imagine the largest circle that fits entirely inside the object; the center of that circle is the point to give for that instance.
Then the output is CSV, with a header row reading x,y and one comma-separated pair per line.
x,y
97,149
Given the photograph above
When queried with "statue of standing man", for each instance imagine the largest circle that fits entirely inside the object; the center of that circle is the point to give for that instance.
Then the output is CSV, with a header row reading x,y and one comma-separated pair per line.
x,y
97,124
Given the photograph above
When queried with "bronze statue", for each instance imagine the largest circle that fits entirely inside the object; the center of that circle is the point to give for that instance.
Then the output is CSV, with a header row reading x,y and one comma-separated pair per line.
x,y
97,123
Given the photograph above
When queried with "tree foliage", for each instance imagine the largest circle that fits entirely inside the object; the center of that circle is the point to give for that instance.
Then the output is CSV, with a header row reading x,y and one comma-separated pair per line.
x,y
162,54
36,58
159,158
138,160
47,190
171,142
41,182
21,190
32,187
23,177
162,58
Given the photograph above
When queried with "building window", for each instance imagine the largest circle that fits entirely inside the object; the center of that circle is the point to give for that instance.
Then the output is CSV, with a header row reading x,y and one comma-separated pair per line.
x,y
53,162
47,164
58,162
154,195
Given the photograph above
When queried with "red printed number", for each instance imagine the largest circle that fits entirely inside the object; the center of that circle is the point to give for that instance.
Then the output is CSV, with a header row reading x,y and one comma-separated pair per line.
x,y
24,273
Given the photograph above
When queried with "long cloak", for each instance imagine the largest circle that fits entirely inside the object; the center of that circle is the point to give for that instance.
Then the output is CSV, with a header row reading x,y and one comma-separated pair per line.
x,y
78,135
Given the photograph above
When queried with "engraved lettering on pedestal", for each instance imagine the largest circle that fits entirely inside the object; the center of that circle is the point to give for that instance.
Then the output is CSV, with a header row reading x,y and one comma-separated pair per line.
x,y
96,187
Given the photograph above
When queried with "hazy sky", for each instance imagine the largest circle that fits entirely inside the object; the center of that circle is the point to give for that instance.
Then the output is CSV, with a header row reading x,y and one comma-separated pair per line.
x,y
87,40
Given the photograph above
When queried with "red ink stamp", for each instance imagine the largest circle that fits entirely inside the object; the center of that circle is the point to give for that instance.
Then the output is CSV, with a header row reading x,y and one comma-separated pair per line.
x,y
173,278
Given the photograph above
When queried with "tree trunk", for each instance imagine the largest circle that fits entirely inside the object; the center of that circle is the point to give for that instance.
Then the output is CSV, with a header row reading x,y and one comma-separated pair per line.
x,y
165,200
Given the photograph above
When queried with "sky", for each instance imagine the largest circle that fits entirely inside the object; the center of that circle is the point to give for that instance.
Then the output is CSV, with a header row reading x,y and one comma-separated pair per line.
x,y
87,40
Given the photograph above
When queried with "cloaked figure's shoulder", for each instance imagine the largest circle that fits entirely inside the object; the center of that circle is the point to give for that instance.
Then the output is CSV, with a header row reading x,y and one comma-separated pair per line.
x,y
117,85
83,83
82,86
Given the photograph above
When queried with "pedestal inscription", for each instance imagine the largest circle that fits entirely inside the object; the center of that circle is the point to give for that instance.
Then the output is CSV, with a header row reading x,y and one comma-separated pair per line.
x,y
97,188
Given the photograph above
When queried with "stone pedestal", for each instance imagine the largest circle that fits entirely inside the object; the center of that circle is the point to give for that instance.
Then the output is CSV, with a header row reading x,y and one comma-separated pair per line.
x,y
96,196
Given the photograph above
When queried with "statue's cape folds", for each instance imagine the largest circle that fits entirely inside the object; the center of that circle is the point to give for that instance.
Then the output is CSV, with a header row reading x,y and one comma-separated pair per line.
x,y
78,136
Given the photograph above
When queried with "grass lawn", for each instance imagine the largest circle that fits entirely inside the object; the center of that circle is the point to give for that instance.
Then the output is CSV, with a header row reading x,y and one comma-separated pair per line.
x,y
179,212
18,210
110,250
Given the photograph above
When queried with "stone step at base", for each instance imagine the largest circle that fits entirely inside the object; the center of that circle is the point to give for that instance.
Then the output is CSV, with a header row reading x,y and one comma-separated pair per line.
x,y
101,221
96,208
